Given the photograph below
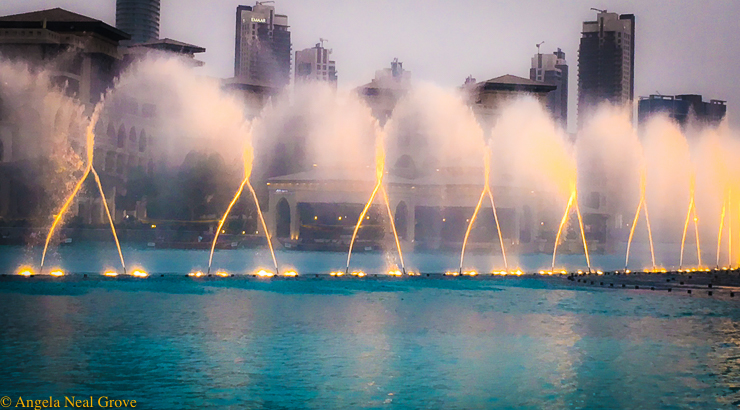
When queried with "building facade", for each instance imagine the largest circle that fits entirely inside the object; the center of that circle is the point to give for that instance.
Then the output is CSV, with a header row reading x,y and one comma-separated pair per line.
x,y
488,97
263,48
313,64
606,62
682,108
553,69
80,57
139,18
383,92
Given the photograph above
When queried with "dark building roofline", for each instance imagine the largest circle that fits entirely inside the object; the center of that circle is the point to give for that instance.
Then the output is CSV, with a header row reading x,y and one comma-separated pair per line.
x,y
172,45
63,21
514,83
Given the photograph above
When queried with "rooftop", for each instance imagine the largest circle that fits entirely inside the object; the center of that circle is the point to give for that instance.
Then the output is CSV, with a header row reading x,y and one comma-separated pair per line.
x,y
60,20
514,83
168,44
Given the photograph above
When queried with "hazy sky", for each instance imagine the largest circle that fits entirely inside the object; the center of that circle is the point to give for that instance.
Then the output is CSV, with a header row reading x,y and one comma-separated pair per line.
x,y
682,46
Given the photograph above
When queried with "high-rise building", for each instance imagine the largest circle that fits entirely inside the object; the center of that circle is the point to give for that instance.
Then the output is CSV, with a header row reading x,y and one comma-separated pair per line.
x,y
682,109
314,64
139,18
606,62
553,69
263,48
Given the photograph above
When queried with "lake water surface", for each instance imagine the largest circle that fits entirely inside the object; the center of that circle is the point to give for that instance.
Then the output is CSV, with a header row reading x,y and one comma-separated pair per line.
x,y
174,342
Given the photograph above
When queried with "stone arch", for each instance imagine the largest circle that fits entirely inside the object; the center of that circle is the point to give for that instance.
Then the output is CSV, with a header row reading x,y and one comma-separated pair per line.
x,y
111,133
121,137
401,219
142,141
282,230
132,136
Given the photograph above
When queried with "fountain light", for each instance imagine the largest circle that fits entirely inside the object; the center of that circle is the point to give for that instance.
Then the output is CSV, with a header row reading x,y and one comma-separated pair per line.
x,y
411,273
110,273
395,272
139,273
223,274
290,274
452,273
25,271
264,274
337,273
56,273
196,274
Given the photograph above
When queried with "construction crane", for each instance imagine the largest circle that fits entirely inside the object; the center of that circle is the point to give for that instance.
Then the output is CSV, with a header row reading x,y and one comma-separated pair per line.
x,y
265,2
600,11
538,46
322,41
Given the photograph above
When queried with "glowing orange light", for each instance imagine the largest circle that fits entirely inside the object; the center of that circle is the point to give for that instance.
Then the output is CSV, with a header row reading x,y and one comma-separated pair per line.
x,y
264,273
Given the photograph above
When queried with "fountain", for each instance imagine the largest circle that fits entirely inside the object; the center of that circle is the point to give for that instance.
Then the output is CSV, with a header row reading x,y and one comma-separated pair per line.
x,y
691,212
486,191
248,158
532,157
379,173
571,201
642,205
90,139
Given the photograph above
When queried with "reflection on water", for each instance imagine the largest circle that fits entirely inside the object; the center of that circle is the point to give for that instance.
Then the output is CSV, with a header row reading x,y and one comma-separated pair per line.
x,y
512,343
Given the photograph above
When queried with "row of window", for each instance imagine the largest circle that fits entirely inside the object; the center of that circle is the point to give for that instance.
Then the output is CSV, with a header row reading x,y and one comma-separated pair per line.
x,y
134,141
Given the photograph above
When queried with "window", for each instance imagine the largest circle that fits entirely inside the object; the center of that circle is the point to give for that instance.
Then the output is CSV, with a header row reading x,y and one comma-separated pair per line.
x,y
142,141
121,137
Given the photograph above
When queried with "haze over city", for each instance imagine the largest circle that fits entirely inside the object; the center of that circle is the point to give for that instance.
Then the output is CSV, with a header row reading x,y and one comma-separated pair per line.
x,y
681,47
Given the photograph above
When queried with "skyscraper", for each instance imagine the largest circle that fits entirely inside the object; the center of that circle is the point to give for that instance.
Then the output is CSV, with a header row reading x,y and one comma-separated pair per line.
x,y
553,69
263,48
314,64
139,18
606,62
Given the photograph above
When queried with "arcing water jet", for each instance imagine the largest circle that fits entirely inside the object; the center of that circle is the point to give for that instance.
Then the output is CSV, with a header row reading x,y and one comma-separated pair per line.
x,y
486,191
248,159
90,141
379,173
571,201
642,205
689,213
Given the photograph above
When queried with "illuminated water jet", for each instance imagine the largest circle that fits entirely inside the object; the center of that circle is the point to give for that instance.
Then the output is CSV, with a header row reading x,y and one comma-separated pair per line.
x,y
379,173
486,191
248,159
691,211
573,199
90,140
642,205
110,218
721,226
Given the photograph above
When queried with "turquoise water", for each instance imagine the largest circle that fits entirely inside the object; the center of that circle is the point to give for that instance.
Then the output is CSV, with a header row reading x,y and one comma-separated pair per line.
x,y
174,342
